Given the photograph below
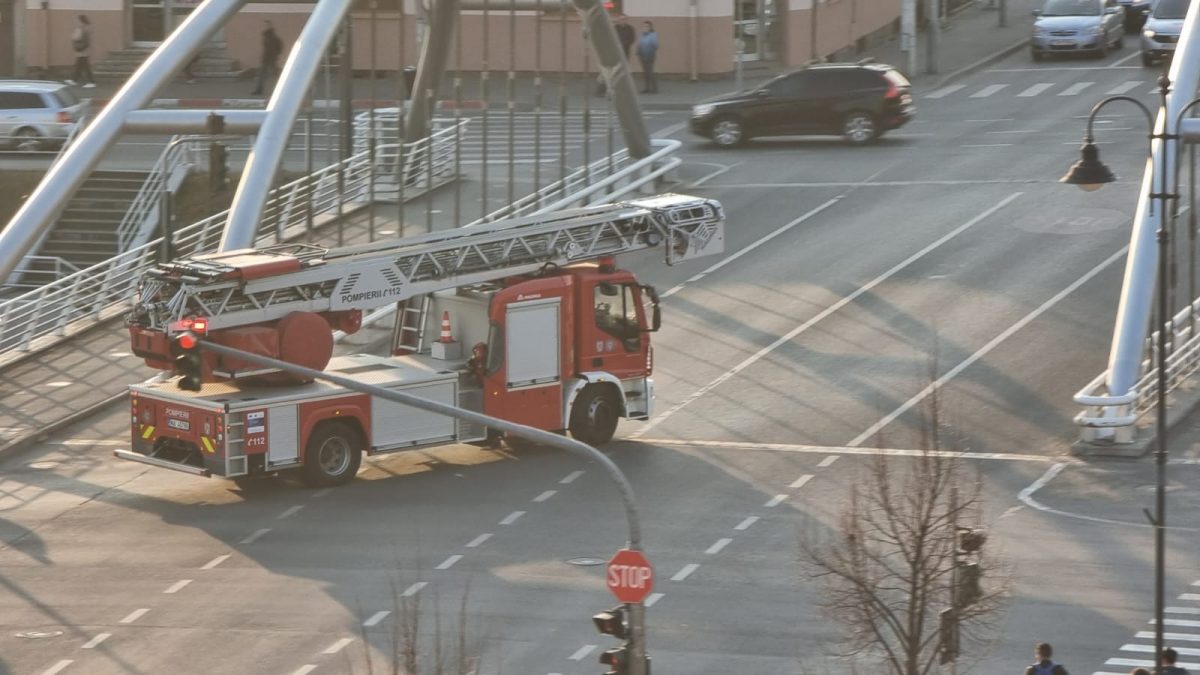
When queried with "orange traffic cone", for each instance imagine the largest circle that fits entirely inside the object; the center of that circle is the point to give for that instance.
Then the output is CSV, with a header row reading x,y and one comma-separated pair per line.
x,y
446,337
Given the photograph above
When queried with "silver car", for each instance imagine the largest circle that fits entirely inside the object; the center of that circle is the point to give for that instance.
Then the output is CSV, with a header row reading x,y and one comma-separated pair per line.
x,y
1161,32
38,115
1077,26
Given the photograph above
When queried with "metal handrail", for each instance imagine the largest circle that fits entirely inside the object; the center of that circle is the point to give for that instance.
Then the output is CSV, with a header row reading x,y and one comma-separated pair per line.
x,y
147,201
47,315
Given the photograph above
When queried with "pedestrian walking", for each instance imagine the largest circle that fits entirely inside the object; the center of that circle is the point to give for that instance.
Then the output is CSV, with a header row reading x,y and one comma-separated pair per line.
x,y
81,43
647,50
1139,671
626,35
1169,657
268,65
1042,664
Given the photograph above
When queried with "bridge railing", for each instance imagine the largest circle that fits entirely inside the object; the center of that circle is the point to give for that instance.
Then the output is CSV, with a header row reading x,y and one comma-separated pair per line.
x,y
49,314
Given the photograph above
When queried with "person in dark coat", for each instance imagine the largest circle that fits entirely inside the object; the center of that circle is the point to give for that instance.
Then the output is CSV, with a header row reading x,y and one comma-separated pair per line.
x,y
1169,657
1044,666
272,47
626,36
647,50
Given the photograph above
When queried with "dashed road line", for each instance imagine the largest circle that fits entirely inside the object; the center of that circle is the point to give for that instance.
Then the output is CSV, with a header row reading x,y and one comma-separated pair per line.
x,y
91,644
582,652
135,615
774,501
945,91
178,586
449,562
745,524
414,589
799,482
718,545
376,618
988,90
479,540
653,598
214,562
254,537
291,511
545,495
570,478
827,461
305,669
856,450
58,667
321,493
337,646
1075,88
1122,88
685,572
1036,89
512,517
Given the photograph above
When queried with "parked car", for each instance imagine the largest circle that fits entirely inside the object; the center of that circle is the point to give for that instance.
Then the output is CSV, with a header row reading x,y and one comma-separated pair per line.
x,y
1075,26
38,115
859,101
1161,32
1136,12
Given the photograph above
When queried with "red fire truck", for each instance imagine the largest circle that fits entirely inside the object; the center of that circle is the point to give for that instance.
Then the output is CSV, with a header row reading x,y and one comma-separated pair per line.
x,y
560,339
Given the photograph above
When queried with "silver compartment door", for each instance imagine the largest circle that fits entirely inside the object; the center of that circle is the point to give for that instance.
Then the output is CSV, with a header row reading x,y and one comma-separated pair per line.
x,y
532,343
282,435
396,424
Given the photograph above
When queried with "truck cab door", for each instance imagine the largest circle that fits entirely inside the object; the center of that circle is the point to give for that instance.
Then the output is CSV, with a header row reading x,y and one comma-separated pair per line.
x,y
613,331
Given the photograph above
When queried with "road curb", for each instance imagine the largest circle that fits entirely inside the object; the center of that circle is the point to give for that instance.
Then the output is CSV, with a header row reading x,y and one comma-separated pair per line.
x,y
16,445
985,61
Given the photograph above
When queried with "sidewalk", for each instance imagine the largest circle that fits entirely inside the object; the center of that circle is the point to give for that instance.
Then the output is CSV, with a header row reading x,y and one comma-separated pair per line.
x,y
77,379
971,39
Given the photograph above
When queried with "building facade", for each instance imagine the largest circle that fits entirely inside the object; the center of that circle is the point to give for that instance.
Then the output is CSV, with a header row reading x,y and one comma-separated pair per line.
x,y
698,38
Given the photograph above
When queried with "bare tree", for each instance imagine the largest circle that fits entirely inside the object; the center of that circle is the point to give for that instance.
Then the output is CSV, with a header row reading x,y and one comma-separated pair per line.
x,y
421,649
895,562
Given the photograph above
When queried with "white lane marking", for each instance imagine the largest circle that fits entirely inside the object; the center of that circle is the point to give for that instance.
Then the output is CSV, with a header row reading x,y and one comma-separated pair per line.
x,y
986,349
1190,596
321,493
135,615
1074,89
1129,662
716,547
254,537
790,335
945,91
1036,89
774,501
178,586
80,442
449,562
1122,88
58,667
998,119
377,617
725,261
667,131
414,589
1118,62
337,646
984,145
1183,623
745,524
799,482
291,511
827,461
724,169
214,562
685,572
512,517
90,644
1173,637
988,90
582,652
1183,610
479,540
570,478
545,495
305,669
653,598
1011,131
825,449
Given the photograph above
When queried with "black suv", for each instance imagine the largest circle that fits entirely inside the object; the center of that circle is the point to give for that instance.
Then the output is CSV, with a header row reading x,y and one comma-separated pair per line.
x,y
859,101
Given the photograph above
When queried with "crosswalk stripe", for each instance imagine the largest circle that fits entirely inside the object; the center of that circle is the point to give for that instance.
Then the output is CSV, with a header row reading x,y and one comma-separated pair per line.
x,y
1036,89
946,91
988,90
1075,88
1122,88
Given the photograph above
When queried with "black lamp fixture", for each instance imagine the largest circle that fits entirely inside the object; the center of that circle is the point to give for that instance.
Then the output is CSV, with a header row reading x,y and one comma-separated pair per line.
x,y
1089,173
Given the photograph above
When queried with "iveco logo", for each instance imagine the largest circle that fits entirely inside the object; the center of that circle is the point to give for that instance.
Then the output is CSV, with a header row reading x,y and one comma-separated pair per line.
x,y
181,414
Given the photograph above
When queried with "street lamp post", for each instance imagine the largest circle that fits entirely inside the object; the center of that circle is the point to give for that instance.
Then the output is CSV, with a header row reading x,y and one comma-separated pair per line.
x,y
1089,173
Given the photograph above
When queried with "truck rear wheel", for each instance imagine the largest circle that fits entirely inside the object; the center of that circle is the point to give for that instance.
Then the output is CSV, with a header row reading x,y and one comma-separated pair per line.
x,y
332,455
594,415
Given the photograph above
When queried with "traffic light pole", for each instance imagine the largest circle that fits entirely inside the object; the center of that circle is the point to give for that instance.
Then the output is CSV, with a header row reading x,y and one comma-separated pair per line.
x,y
637,611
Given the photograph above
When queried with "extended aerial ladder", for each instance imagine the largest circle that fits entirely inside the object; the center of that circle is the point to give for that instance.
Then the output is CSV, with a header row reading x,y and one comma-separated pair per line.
x,y
256,287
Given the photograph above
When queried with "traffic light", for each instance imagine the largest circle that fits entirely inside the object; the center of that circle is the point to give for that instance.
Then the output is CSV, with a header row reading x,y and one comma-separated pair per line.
x,y
971,540
185,347
617,659
947,636
970,588
612,622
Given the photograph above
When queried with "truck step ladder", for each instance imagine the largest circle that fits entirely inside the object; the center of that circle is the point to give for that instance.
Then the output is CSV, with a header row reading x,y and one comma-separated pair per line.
x,y
408,331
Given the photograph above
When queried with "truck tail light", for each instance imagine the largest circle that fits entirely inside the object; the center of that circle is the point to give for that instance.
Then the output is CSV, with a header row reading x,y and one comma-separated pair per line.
x,y
147,414
649,360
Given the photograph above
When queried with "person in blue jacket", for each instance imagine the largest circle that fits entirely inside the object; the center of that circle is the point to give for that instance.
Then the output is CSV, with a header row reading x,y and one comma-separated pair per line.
x,y
647,49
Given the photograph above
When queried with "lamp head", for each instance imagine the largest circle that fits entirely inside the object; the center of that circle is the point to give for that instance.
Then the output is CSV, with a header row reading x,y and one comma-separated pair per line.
x,y
1089,173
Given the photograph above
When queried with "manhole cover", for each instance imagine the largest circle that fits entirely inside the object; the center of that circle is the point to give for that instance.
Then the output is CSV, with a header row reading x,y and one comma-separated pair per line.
x,y
586,562
39,634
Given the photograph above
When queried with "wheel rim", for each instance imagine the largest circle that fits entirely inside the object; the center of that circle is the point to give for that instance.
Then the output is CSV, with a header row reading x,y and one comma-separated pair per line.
x,y
600,414
859,128
27,141
334,456
727,132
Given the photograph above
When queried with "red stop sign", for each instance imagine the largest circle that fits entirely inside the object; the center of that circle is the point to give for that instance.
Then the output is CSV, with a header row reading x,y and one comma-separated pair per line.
x,y
630,576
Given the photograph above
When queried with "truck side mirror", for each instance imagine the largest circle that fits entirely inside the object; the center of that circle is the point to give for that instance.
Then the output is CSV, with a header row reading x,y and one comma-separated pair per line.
x,y
655,311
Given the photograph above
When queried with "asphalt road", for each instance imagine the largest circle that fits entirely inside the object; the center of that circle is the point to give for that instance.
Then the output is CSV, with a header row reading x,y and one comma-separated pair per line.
x,y
853,277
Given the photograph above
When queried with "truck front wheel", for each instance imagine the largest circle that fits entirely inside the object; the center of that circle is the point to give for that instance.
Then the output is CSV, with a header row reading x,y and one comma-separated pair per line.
x,y
332,455
594,415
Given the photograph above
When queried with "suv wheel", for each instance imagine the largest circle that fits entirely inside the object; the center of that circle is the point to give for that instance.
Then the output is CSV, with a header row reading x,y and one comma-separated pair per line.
x,y
728,131
27,140
1147,60
859,127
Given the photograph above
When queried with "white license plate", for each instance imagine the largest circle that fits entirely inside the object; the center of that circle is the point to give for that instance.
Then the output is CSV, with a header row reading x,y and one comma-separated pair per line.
x,y
1063,43
179,424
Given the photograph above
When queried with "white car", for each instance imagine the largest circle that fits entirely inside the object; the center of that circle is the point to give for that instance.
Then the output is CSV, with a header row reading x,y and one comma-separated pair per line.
x,y
38,115
1161,32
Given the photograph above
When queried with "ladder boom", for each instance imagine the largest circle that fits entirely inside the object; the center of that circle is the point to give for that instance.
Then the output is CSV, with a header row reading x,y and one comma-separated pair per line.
x,y
237,288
